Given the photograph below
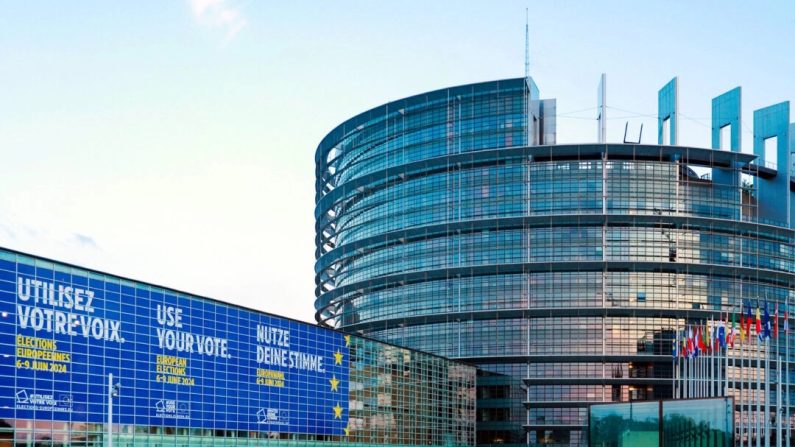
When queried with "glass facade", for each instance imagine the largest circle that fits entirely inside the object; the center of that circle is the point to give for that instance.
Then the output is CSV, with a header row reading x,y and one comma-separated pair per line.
x,y
561,271
672,423
195,371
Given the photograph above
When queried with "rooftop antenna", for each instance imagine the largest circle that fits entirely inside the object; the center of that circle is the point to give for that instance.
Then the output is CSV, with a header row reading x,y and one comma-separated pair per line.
x,y
526,43
601,106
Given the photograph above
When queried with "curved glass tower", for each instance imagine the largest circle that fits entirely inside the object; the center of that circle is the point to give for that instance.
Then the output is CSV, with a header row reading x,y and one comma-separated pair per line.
x,y
450,222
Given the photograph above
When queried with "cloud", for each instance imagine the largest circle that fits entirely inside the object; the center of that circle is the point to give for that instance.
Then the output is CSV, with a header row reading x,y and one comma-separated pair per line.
x,y
84,241
10,233
218,14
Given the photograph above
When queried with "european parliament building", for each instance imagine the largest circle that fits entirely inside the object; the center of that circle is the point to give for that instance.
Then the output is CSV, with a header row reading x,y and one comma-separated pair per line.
x,y
451,222
93,359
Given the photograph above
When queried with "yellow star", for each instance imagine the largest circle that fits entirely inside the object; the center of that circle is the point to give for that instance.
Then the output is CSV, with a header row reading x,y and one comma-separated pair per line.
x,y
334,382
347,431
337,411
347,340
338,358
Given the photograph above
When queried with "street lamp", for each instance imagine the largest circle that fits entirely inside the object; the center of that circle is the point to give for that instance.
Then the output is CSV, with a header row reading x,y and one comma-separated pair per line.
x,y
113,391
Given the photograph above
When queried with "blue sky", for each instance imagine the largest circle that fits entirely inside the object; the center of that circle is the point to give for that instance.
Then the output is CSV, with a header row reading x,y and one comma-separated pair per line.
x,y
173,141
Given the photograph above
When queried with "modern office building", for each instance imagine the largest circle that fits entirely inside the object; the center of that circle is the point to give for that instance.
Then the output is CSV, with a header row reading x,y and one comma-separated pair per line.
x,y
83,351
451,222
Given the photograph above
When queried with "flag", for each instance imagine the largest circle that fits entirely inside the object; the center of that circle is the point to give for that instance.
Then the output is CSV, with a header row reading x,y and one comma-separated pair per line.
x,y
691,345
722,335
748,319
766,323
673,345
702,345
758,321
706,335
742,321
742,325
742,334
710,333
698,341
775,322
733,333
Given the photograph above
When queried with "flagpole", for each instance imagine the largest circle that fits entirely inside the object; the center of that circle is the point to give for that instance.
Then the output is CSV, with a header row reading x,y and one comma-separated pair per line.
x,y
712,368
686,391
688,366
711,363
720,387
721,360
748,378
758,391
739,372
786,356
722,357
718,373
726,359
680,362
696,366
768,378
679,365
685,377
703,366
675,365
748,390
710,379
683,380
767,392
723,346
705,372
708,366
699,361
699,368
778,409
719,363
716,378
697,371
686,369
778,403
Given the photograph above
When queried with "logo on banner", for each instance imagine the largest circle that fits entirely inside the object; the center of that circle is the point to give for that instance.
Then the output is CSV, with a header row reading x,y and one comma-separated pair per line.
x,y
170,408
44,402
272,416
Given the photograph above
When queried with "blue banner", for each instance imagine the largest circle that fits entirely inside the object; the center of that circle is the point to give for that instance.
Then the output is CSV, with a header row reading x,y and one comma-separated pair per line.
x,y
180,361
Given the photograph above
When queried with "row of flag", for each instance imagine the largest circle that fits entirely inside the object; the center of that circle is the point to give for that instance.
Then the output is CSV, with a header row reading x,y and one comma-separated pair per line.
x,y
698,339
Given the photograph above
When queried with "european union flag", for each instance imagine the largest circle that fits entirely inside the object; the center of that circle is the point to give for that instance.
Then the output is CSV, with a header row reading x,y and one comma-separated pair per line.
x,y
766,323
